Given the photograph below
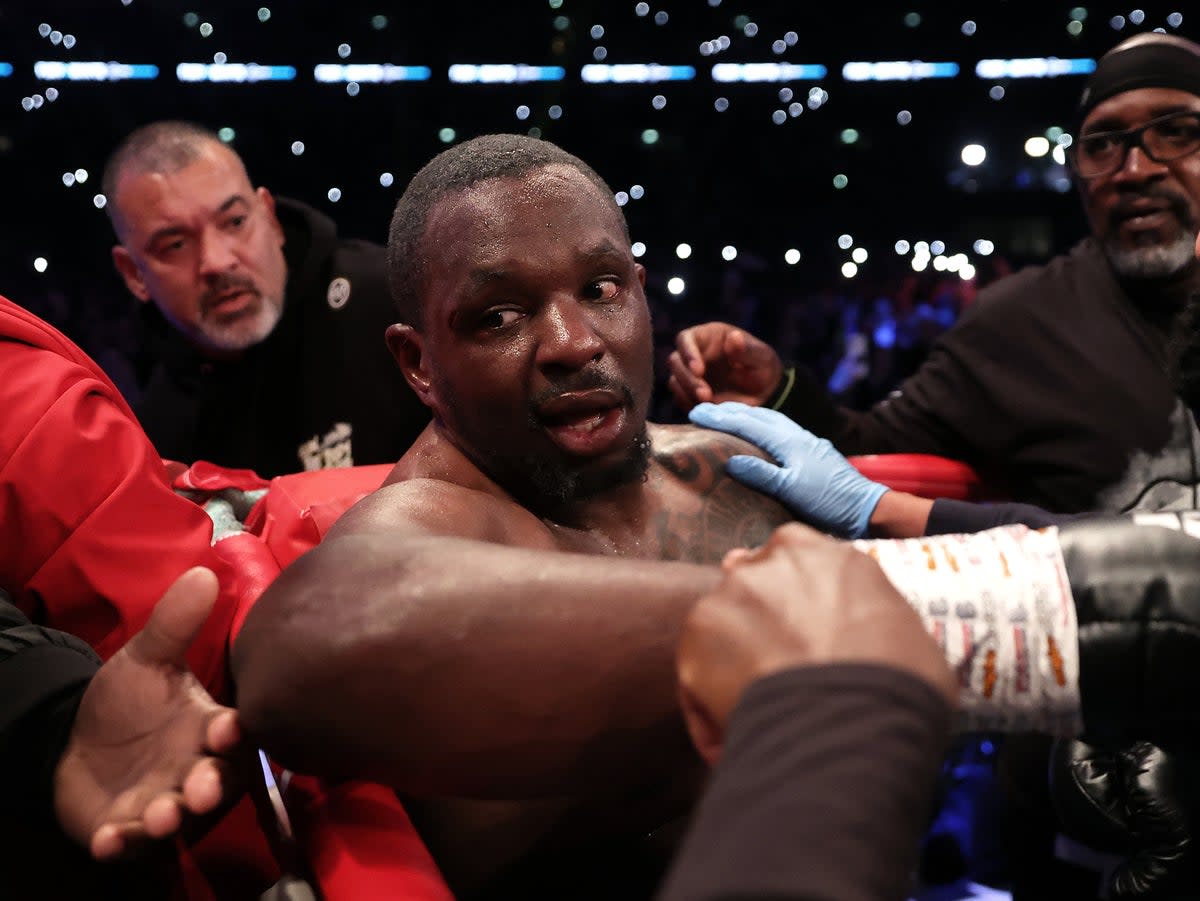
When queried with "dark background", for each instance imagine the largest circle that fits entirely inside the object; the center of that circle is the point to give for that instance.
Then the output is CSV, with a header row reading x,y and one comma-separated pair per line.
x,y
712,179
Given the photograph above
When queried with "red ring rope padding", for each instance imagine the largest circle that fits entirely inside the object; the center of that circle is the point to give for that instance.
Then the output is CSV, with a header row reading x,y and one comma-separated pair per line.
x,y
924,475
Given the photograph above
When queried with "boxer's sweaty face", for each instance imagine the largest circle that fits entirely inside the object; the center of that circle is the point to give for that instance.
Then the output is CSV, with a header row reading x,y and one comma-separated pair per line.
x,y
205,247
537,333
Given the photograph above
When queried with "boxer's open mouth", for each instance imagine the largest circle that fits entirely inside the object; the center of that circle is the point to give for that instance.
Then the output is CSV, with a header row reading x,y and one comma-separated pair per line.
x,y
585,423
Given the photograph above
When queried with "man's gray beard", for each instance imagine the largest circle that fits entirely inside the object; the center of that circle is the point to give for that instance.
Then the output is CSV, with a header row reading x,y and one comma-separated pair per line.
x,y
1153,261
244,332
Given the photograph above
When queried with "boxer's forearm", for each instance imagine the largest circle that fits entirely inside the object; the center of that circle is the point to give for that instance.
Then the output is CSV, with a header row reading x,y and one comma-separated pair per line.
x,y
1094,625
459,667
999,605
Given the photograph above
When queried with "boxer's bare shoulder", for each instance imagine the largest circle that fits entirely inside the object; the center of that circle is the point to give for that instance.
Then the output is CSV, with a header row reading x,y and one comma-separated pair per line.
x,y
706,512
436,507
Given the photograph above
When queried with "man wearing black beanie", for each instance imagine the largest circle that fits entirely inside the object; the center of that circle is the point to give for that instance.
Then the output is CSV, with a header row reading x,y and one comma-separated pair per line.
x,y
1054,382
1139,128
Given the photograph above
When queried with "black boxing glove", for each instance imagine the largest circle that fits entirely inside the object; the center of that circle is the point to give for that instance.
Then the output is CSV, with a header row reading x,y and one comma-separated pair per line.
x,y
1136,802
1136,590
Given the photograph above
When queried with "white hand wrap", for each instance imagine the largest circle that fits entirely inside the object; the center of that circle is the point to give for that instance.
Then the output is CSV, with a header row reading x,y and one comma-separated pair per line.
x,y
999,605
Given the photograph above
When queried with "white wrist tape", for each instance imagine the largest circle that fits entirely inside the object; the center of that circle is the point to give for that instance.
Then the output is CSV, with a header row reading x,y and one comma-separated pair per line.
x,y
999,605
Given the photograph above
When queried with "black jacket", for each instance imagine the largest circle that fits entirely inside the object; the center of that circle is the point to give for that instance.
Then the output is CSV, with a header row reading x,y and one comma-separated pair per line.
x,y
321,390
824,789
43,674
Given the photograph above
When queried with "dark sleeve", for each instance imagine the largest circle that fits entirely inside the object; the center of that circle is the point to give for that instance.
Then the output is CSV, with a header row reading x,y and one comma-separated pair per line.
x,y
949,517
960,400
803,399
823,791
43,674
930,413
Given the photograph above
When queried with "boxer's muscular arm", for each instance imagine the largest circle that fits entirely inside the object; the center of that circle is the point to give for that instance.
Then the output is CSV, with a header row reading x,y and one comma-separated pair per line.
x,y
416,647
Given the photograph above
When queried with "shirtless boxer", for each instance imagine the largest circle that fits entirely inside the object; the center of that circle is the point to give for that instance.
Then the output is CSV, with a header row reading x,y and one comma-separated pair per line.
x,y
526,331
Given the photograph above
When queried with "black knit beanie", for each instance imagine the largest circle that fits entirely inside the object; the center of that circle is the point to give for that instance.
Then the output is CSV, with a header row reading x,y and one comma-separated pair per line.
x,y
1146,64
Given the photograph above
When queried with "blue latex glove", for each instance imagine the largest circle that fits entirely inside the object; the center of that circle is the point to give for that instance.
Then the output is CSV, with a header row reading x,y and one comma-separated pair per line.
x,y
812,479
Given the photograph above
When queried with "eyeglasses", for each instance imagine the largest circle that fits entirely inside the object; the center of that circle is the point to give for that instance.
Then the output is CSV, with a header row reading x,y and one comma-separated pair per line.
x,y
1163,139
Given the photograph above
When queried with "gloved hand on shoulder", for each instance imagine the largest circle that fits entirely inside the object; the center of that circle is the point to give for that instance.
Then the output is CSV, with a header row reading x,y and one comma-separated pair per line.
x,y
811,478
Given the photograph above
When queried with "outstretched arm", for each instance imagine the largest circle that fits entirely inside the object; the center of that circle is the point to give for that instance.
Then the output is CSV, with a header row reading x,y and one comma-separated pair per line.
x,y
820,486
454,665
937,410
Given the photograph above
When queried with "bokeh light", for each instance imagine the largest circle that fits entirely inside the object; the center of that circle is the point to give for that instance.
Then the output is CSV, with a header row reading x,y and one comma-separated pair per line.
x,y
974,154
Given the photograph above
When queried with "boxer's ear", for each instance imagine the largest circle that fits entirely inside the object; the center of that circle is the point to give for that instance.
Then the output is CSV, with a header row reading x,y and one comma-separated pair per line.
x,y
407,349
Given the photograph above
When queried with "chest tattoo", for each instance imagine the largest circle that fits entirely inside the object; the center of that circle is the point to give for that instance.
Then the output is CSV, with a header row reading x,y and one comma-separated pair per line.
x,y
722,514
